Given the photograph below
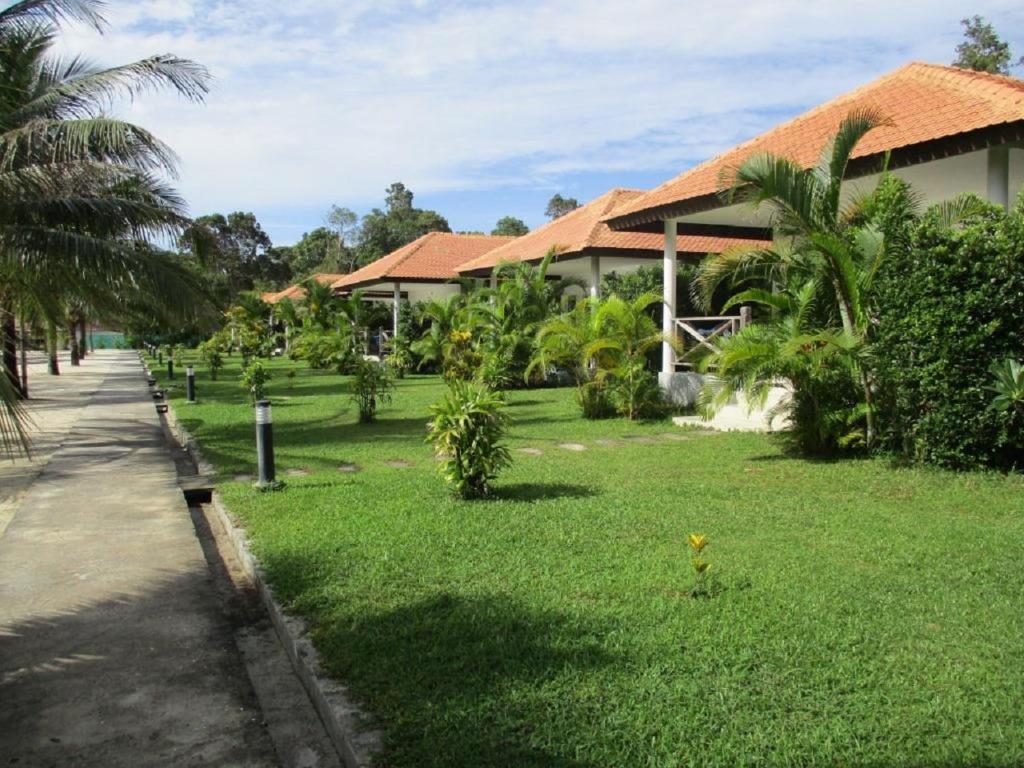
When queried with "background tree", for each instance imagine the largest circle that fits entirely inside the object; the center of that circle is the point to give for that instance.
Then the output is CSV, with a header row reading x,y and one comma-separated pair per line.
x,y
344,224
982,49
510,226
383,231
559,206
240,254
317,251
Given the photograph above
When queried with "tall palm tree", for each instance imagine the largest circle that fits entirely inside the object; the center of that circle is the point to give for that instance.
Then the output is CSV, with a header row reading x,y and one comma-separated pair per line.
x,y
79,190
824,238
820,238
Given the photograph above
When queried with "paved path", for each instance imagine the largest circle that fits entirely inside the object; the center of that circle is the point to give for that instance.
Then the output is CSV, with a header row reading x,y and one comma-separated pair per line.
x,y
114,650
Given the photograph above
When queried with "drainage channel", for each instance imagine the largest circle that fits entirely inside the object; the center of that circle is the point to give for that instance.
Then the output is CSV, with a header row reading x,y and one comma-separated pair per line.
x,y
290,718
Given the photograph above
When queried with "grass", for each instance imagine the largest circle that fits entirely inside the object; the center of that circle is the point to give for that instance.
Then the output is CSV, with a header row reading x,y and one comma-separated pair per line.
x,y
863,615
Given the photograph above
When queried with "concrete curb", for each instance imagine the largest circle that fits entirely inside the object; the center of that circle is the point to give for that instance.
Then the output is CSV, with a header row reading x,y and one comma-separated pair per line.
x,y
343,720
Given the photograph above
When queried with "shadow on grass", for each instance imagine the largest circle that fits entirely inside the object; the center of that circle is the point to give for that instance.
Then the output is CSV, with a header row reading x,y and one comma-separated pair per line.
x,y
451,677
540,491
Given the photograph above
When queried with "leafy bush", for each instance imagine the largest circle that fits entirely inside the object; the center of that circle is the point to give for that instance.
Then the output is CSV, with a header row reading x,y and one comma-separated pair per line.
x,y
399,357
323,350
254,379
466,430
461,357
371,387
211,353
951,303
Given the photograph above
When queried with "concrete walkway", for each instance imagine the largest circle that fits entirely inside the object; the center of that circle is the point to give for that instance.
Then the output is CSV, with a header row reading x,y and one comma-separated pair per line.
x,y
114,650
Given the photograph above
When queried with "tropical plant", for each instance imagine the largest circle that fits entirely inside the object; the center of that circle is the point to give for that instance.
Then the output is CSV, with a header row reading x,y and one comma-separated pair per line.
x,y
567,341
466,429
211,352
372,385
818,367
505,319
254,379
399,357
627,334
462,358
1007,386
440,316
81,190
832,243
324,350
698,543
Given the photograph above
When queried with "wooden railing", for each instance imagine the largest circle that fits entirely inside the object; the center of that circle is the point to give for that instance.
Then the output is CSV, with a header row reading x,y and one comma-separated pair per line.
x,y
699,333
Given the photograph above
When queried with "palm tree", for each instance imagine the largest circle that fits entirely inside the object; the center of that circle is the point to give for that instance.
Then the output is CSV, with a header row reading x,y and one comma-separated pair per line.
x,y
819,366
822,239
78,189
443,315
819,239
628,334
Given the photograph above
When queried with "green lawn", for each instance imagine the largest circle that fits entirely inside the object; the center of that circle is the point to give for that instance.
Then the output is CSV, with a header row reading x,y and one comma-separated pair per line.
x,y
865,615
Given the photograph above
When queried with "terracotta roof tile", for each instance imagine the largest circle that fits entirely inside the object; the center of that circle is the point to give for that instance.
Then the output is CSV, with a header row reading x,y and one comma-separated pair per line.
x,y
584,229
923,102
296,292
430,258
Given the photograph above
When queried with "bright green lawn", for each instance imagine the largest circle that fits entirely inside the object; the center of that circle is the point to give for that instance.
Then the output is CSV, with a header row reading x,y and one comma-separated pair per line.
x,y
867,615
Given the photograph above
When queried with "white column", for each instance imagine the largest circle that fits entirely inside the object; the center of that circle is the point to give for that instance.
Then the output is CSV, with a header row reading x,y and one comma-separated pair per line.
x,y
494,280
668,310
595,277
999,175
395,310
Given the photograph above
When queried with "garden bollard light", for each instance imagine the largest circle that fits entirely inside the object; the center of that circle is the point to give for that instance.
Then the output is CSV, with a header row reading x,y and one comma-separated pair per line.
x,y
264,444
170,367
190,384
159,358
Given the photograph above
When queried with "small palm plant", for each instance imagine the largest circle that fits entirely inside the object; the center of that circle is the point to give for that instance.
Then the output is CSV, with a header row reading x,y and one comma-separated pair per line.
x,y
466,430
628,334
371,387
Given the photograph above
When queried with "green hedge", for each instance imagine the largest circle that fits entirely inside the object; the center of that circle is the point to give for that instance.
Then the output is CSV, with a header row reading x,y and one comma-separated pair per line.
x,y
951,302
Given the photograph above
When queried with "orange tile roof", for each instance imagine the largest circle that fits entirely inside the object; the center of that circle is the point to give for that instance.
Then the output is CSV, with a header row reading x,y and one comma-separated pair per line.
x,y
583,230
923,102
431,258
296,292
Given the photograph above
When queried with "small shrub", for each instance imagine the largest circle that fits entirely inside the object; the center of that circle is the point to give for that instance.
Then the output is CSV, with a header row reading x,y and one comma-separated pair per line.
x,y
399,359
466,430
212,354
291,377
371,388
635,392
461,359
594,400
254,379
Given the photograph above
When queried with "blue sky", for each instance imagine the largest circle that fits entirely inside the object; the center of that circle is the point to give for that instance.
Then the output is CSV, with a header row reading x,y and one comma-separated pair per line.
x,y
488,108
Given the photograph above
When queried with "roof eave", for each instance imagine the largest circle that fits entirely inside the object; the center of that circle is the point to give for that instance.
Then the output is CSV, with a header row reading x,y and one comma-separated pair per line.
x,y
653,219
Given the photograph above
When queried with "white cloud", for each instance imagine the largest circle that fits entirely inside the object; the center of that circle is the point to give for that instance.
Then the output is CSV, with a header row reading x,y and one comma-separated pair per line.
x,y
318,101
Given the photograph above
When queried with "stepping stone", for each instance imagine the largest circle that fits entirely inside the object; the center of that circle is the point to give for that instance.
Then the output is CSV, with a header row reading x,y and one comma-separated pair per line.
x,y
573,446
243,478
349,468
608,442
398,464
531,451
297,472
642,439
674,436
